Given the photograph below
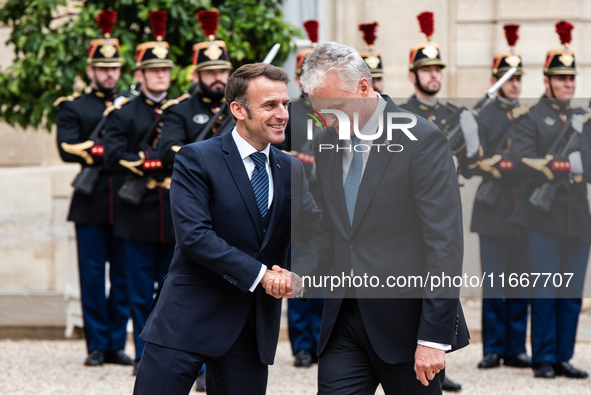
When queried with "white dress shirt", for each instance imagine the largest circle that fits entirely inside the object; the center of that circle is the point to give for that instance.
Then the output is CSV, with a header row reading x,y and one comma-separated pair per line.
x,y
245,150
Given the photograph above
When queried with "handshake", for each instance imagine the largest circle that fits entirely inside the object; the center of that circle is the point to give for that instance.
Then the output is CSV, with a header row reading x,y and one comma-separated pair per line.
x,y
281,283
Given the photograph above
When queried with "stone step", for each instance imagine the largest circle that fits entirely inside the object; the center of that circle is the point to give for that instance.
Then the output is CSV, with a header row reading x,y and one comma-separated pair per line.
x,y
32,315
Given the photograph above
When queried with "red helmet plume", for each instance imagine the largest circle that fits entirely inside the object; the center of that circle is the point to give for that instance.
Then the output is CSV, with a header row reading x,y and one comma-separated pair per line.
x,y
563,28
369,32
158,21
511,34
426,23
209,22
311,27
106,20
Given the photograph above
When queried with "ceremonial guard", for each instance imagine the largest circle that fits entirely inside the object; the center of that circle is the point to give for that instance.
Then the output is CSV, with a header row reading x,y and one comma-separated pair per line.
x,y
372,57
197,117
425,73
142,209
425,66
586,147
80,124
555,210
504,247
304,318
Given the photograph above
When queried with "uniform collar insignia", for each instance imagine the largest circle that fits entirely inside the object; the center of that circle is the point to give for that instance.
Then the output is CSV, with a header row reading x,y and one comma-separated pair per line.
x,y
559,106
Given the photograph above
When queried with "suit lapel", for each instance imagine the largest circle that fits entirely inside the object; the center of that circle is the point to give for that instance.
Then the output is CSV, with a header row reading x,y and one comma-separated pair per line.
x,y
279,180
377,164
236,167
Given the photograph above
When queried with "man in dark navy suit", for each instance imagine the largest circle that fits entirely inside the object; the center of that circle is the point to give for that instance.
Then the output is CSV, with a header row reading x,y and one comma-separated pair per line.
x,y
232,201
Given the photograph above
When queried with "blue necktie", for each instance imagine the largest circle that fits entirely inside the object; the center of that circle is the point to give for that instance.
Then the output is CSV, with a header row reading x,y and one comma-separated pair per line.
x,y
260,182
353,179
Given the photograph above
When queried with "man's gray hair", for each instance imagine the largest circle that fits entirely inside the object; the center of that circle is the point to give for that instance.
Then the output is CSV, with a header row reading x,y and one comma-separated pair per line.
x,y
331,57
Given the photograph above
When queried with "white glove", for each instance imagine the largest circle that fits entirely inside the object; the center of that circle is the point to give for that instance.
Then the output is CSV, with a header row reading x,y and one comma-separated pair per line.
x,y
576,165
470,132
577,123
118,100
455,158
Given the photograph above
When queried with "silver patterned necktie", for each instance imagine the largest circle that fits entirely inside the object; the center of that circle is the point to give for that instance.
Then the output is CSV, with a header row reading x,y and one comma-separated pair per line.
x,y
353,180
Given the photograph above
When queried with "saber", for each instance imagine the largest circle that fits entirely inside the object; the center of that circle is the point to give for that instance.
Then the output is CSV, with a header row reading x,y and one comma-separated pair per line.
x,y
506,77
271,55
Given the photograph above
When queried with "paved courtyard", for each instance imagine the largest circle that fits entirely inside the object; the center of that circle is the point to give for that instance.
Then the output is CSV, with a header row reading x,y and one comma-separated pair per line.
x,y
54,367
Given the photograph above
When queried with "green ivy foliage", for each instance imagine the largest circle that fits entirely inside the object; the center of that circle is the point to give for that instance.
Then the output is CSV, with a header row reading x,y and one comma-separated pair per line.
x,y
50,39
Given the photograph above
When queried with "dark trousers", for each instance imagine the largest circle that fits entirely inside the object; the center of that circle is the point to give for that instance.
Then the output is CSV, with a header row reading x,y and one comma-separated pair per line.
x,y
304,320
555,310
504,316
349,365
239,371
105,316
147,264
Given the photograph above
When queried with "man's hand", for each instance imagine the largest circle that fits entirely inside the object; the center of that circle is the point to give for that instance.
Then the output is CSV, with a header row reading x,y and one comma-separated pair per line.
x,y
428,362
277,282
282,283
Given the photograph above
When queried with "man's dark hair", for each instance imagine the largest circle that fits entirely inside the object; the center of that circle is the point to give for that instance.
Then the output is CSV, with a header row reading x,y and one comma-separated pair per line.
x,y
240,79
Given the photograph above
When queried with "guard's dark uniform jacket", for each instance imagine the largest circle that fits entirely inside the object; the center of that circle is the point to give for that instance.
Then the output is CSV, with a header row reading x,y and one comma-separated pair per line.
x,y
76,120
437,113
126,127
441,115
183,122
297,142
494,122
585,147
532,135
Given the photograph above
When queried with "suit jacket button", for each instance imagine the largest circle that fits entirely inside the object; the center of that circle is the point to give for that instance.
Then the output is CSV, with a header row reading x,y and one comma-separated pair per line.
x,y
351,246
264,230
225,276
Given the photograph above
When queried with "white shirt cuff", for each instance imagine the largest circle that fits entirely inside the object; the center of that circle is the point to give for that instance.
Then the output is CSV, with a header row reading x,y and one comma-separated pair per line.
x,y
438,346
259,278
